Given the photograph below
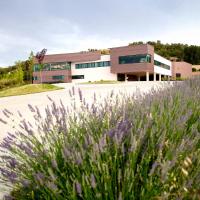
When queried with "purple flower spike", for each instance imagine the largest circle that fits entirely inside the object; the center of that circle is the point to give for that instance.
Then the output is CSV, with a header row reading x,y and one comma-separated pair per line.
x,y
25,183
6,114
93,181
80,94
2,121
31,108
8,197
39,177
13,162
78,188
73,91
54,164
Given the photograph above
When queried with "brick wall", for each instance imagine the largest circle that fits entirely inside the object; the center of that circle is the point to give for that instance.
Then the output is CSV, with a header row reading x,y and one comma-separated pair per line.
x,y
183,68
47,76
131,50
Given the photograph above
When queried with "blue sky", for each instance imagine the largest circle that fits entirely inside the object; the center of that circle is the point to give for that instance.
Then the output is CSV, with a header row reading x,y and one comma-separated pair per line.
x,y
76,25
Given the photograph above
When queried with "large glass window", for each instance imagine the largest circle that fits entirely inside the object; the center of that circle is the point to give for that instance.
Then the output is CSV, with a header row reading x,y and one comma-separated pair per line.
x,y
92,65
140,58
53,66
159,64
58,77
78,77
35,78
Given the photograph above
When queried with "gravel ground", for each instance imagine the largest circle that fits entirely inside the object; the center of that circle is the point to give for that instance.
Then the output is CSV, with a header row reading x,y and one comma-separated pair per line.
x,y
19,103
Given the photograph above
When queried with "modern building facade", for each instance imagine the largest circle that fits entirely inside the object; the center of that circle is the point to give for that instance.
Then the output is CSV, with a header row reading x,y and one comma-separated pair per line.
x,y
128,63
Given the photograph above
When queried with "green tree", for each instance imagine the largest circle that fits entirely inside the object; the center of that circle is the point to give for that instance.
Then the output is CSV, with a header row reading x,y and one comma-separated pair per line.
x,y
19,74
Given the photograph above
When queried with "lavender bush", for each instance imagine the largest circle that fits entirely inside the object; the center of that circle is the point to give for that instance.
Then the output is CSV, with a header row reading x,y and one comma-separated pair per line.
x,y
128,147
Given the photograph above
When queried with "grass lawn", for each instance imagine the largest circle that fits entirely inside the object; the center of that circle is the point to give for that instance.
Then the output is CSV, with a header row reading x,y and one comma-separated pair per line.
x,y
27,89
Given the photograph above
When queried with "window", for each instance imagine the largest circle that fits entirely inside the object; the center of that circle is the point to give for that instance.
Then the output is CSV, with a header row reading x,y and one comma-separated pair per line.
x,y
53,66
92,65
60,66
140,58
58,77
78,77
159,64
178,75
36,68
35,78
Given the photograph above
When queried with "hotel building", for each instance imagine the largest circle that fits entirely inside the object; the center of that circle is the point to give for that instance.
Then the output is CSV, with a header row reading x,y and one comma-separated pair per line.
x,y
128,63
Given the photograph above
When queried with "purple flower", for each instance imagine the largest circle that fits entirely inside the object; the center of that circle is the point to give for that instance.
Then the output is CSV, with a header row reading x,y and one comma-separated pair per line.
x,y
31,108
54,164
121,131
52,186
93,181
13,163
39,177
8,197
6,114
78,188
80,94
79,160
25,183
10,175
102,143
73,91
50,99
66,153
95,97
154,166
4,122
19,113
70,93
6,110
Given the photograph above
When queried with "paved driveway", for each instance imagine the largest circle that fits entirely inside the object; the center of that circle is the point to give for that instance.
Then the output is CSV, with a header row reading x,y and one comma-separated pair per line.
x,y
19,103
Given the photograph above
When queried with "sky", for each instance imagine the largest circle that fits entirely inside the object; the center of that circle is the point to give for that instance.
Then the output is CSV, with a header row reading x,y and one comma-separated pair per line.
x,y
63,26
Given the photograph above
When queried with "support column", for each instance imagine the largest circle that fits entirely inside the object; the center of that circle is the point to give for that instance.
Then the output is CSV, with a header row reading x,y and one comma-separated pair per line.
x,y
147,76
168,78
126,78
159,77
138,78
154,76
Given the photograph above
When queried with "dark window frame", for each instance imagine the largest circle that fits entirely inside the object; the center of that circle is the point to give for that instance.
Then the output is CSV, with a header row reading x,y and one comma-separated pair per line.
x,y
92,65
76,77
132,59
159,64
57,77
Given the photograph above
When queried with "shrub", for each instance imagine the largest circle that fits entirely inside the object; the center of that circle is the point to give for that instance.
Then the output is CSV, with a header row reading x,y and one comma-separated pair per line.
x,y
194,69
127,147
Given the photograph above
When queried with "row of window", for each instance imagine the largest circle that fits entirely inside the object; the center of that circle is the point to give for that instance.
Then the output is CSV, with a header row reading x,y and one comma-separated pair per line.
x,y
92,65
52,66
140,58
61,77
159,64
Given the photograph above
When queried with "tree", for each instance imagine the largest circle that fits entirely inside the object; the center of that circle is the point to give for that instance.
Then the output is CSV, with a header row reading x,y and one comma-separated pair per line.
x,y
40,57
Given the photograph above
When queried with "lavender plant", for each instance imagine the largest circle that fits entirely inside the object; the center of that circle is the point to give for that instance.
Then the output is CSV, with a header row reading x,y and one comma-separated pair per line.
x,y
127,147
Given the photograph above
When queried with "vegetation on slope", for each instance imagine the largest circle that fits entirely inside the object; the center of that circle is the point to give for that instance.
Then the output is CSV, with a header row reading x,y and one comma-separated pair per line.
x,y
20,73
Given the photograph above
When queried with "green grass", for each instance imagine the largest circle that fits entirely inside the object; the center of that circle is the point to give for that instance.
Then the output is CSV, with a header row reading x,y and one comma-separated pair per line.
x,y
101,82
27,89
